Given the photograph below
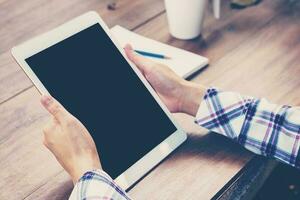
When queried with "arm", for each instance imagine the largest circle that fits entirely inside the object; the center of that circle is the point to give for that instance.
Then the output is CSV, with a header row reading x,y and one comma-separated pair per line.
x,y
260,126
74,149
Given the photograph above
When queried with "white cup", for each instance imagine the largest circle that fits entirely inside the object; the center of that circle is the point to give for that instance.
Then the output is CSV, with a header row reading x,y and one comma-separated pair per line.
x,y
185,17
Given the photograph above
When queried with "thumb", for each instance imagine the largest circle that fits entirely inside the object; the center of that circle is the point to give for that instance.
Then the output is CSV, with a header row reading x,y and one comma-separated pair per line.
x,y
54,108
142,63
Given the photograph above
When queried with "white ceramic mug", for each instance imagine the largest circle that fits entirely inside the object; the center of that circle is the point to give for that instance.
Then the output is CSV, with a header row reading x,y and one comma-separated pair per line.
x,y
185,17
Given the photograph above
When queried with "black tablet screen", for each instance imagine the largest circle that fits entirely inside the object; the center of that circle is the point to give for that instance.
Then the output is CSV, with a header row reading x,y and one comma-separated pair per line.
x,y
92,80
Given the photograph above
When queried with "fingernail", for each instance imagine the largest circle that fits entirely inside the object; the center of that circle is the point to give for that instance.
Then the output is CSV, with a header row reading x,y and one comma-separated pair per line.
x,y
128,47
46,99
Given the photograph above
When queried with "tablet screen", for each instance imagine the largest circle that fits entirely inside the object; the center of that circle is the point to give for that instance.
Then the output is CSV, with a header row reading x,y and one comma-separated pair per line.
x,y
88,75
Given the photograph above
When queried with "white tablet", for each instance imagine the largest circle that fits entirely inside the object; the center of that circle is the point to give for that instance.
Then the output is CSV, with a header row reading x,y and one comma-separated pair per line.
x,y
81,65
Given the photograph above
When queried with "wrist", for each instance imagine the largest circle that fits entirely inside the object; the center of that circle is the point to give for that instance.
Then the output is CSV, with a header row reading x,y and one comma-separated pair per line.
x,y
82,167
191,96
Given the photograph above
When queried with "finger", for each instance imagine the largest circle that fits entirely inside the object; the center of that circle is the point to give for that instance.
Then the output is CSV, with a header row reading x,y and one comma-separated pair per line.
x,y
54,108
49,127
49,130
143,64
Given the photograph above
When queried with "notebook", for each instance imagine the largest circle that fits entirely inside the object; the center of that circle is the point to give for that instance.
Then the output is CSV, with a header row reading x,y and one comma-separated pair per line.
x,y
182,62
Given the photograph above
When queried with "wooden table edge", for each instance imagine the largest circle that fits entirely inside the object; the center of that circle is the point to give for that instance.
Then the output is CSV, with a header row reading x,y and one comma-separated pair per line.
x,y
249,179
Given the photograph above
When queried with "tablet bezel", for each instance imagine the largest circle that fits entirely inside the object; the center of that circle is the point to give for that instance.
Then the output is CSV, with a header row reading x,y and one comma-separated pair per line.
x,y
42,42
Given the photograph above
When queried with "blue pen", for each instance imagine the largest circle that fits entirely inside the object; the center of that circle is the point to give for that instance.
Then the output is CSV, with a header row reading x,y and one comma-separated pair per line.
x,y
153,55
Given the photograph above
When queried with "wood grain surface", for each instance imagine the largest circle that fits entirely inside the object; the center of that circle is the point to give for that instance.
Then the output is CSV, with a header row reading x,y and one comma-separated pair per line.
x,y
254,51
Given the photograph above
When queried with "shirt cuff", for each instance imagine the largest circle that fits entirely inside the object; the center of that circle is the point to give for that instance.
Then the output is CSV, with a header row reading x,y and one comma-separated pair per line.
x,y
97,184
223,112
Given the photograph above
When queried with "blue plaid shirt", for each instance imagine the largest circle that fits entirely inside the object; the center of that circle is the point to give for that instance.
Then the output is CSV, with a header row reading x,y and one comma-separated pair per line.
x,y
262,127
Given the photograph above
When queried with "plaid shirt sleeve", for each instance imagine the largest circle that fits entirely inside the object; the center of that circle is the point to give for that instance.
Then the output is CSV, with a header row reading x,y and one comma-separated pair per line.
x,y
97,185
262,127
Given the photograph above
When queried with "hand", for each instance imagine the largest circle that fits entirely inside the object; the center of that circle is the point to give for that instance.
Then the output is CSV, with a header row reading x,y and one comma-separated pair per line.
x,y
178,94
69,140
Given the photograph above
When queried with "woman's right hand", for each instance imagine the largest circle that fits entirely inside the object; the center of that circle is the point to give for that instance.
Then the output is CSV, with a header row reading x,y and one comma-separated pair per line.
x,y
178,94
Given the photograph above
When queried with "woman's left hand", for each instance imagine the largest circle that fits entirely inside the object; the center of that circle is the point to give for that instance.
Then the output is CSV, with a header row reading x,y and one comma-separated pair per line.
x,y
69,141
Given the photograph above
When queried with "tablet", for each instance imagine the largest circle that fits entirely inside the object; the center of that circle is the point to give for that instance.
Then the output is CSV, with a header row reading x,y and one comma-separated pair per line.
x,y
81,65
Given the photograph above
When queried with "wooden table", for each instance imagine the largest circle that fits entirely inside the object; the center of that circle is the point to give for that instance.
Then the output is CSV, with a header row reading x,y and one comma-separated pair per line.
x,y
254,51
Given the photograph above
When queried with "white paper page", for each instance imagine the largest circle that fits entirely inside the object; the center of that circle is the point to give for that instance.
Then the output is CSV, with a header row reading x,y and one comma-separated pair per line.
x,y
184,63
